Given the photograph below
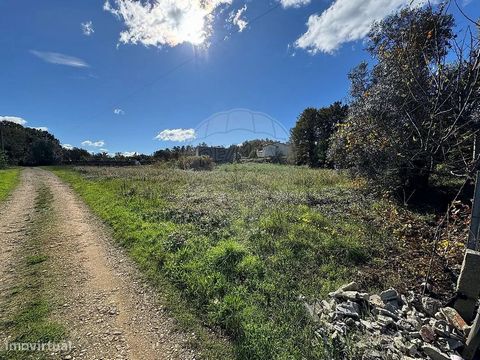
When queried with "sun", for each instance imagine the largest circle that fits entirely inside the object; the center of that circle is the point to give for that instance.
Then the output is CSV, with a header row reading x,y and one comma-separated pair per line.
x,y
193,27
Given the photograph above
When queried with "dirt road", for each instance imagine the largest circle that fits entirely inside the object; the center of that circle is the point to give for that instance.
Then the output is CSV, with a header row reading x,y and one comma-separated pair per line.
x,y
107,309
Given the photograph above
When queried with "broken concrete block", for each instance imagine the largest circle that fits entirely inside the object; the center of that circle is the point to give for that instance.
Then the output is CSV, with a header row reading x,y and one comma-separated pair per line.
x,y
435,353
454,318
468,285
473,341
464,307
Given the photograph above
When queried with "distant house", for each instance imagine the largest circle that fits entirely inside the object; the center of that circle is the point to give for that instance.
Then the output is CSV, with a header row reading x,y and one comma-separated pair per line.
x,y
218,154
274,150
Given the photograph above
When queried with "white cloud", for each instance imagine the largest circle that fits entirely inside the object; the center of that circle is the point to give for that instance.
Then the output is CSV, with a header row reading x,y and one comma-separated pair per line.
x,y
104,150
129,153
166,22
118,111
67,146
87,28
178,135
347,20
294,3
13,119
59,59
41,128
99,143
236,18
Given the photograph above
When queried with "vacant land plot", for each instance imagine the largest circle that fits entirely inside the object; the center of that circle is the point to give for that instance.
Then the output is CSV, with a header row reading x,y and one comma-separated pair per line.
x,y
243,242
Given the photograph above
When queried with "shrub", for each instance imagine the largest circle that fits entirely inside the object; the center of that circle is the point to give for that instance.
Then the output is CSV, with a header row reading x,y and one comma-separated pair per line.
x,y
197,163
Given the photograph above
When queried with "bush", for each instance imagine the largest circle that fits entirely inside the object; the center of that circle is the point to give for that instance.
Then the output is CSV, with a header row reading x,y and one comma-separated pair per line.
x,y
197,163
3,160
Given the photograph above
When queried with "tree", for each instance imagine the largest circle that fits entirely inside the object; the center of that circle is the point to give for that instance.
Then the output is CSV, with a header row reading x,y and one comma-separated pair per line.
x,y
41,152
312,132
3,160
17,142
415,109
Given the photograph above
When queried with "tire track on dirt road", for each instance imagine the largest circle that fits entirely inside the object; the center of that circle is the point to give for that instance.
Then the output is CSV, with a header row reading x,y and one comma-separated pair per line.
x,y
109,312
16,214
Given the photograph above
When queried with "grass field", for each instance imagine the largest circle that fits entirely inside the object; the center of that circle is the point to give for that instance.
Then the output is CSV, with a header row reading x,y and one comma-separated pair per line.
x,y
241,243
8,180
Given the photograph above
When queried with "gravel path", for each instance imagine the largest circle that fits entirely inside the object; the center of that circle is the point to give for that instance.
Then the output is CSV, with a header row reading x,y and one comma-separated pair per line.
x,y
109,311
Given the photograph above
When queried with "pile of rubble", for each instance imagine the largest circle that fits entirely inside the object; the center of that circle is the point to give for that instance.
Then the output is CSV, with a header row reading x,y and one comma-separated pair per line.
x,y
389,325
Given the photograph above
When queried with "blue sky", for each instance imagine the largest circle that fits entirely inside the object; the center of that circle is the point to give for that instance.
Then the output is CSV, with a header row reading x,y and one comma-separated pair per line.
x,y
129,77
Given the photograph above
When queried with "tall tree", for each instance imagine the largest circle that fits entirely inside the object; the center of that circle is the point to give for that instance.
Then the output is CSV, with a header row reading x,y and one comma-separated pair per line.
x,y
415,109
312,132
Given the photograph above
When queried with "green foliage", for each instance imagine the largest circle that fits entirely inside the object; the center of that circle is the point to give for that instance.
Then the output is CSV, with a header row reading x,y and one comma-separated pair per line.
x,y
42,152
416,108
240,243
28,146
8,180
312,132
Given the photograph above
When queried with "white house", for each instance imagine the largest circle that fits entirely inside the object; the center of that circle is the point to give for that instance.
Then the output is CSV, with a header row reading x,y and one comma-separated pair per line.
x,y
275,149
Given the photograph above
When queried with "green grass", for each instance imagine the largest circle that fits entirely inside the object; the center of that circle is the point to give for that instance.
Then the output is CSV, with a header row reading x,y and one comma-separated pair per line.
x,y
239,244
30,302
8,180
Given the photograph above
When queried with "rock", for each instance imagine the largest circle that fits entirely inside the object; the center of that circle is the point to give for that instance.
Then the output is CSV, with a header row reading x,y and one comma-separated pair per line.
x,y
427,334
384,321
454,318
430,305
376,301
326,305
412,349
349,295
427,286
453,344
385,312
311,311
389,295
353,286
350,322
392,306
399,343
372,355
405,325
368,324
435,353
349,308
